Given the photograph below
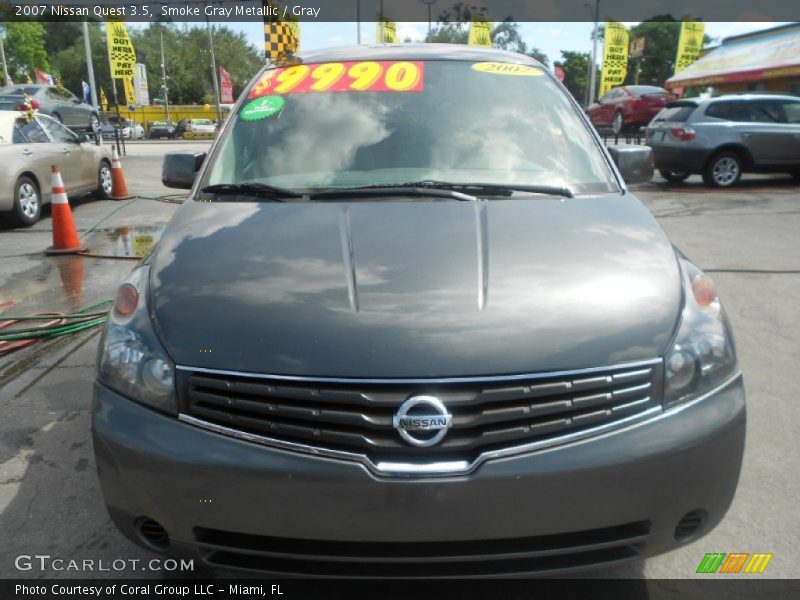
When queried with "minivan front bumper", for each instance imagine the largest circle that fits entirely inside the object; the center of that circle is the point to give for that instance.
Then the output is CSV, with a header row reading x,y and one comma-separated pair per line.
x,y
634,492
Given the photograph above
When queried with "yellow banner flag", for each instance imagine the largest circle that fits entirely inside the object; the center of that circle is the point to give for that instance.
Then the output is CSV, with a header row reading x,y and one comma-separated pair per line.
x,y
121,55
615,57
130,91
480,33
386,32
689,44
103,100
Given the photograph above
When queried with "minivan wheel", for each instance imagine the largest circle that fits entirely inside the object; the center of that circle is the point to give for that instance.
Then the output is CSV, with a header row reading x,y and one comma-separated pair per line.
x,y
674,176
27,203
723,170
618,124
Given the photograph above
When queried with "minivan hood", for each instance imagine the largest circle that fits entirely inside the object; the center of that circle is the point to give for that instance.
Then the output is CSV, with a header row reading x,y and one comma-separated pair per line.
x,y
414,289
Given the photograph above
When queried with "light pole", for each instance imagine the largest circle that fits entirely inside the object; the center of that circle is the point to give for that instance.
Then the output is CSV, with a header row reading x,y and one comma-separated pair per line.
x,y
89,65
429,3
593,64
164,78
358,22
214,79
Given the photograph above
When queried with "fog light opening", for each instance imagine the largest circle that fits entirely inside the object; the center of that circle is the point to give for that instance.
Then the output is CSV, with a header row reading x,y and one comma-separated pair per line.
x,y
152,533
691,523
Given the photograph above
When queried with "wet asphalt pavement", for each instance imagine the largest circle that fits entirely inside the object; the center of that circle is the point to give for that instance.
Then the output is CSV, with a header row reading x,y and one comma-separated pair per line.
x,y
747,239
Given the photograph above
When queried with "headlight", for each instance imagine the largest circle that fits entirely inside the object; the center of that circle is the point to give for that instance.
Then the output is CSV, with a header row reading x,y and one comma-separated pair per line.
x,y
131,359
702,355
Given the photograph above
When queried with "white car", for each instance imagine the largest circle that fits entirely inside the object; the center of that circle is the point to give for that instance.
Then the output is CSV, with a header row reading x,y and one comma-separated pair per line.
x,y
201,126
133,131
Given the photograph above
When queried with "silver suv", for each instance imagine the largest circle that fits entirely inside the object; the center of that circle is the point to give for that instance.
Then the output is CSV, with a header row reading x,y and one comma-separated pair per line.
x,y
720,138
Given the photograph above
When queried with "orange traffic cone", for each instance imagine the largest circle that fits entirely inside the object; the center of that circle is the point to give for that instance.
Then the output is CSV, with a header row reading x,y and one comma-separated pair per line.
x,y
119,189
65,235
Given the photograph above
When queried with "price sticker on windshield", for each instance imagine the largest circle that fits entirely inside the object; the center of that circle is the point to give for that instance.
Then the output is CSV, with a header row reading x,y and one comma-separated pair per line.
x,y
499,68
366,76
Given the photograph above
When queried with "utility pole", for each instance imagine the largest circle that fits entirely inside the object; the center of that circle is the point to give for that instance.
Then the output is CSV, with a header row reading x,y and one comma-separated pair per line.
x,y
593,66
429,3
164,78
214,72
358,22
382,24
89,65
3,57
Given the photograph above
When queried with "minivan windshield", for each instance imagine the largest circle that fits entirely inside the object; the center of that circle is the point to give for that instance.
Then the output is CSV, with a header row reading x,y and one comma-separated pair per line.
x,y
353,124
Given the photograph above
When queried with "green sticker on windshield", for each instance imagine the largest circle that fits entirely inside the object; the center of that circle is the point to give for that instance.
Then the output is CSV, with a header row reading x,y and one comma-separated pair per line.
x,y
262,108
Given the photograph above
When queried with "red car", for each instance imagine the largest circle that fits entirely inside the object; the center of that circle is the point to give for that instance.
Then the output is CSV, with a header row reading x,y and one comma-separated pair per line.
x,y
628,106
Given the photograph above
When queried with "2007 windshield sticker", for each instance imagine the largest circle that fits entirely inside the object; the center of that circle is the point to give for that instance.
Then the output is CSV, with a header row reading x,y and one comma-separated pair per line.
x,y
262,108
499,68
368,76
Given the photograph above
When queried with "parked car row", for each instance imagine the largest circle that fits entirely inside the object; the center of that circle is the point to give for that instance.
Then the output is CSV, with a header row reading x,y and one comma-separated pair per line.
x,y
129,130
718,138
156,129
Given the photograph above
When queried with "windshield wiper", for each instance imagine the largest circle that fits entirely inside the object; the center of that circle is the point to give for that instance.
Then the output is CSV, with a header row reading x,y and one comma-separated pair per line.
x,y
411,188
489,188
255,190
428,187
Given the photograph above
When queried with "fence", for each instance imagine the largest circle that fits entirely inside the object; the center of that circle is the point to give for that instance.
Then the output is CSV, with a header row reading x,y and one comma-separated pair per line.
x,y
628,137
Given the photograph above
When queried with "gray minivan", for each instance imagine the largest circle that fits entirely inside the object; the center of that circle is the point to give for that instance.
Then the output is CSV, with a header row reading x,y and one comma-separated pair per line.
x,y
721,138
410,320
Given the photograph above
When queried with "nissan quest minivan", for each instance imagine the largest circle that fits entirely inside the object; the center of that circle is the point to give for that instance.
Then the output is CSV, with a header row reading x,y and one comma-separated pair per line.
x,y
411,321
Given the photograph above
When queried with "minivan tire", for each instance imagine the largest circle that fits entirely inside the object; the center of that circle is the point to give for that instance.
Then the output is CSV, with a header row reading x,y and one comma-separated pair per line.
x,y
674,176
723,170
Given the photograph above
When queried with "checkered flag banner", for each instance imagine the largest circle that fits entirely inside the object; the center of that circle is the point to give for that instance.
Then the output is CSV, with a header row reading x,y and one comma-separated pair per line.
x,y
281,38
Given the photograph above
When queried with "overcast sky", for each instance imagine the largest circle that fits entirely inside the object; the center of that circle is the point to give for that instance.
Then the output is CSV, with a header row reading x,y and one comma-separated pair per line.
x,y
551,38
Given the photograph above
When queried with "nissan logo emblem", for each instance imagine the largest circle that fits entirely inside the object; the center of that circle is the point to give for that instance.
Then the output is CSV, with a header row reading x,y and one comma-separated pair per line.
x,y
422,421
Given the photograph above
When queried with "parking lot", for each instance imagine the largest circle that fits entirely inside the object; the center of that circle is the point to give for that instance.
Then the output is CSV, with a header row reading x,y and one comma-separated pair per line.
x,y
747,239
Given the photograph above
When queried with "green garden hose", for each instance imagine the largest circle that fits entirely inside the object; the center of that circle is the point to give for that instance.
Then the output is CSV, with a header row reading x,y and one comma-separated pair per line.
x,y
61,324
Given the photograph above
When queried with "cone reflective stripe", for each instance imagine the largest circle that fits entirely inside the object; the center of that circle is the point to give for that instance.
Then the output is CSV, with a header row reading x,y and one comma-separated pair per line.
x,y
119,189
65,234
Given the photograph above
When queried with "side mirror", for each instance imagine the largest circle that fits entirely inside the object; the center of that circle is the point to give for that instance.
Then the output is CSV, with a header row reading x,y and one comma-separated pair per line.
x,y
77,101
180,169
635,163
81,138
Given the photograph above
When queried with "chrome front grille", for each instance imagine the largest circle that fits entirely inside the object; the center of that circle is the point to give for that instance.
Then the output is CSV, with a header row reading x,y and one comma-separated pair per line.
x,y
490,415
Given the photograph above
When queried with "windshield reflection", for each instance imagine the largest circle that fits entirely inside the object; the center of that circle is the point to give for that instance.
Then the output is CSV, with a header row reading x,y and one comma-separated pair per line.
x,y
464,126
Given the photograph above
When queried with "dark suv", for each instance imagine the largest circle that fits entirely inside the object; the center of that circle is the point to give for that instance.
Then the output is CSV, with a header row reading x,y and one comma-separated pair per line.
x,y
410,320
721,138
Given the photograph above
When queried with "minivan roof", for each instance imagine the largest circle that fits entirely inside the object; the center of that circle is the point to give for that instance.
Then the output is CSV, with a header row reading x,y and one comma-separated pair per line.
x,y
460,52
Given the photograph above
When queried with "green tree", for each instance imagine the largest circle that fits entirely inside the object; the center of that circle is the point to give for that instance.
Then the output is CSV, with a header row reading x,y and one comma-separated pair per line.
x,y
576,72
188,60
25,48
68,58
